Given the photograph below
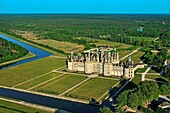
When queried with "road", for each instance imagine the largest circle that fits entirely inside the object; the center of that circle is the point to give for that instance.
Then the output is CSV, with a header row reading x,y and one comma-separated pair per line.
x,y
143,74
164,97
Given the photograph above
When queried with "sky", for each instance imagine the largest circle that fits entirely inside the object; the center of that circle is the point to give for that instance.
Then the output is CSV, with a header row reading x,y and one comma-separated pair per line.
x,y
86,6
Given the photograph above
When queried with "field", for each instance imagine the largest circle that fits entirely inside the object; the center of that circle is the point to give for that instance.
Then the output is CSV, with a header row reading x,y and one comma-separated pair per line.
x,y
67,47
143,38
135,57
93,88
124,53
60,84
29,70
9,107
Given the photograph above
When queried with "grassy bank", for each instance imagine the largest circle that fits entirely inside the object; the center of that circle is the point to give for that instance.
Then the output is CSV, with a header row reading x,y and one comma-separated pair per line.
x,y
10,107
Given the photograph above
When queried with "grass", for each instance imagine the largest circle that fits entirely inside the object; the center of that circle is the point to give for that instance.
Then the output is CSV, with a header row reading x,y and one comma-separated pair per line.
x,y
124,53
9,107
38,81
27,56
143,38
15,75
65,46
141,70
92,88
61,84
136,57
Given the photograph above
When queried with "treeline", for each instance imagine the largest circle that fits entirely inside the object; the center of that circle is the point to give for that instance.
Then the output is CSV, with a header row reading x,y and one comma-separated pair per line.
x,y
122,38
10,51
144,93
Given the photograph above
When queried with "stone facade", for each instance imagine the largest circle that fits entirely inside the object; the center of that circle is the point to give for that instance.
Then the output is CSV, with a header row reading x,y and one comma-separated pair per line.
x,y
103,61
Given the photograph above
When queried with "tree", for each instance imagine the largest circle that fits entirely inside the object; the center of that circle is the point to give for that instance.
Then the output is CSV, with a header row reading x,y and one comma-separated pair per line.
x,y
105,110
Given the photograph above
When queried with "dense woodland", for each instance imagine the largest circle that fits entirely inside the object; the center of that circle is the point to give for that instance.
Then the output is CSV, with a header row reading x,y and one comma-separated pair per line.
x,y
10,51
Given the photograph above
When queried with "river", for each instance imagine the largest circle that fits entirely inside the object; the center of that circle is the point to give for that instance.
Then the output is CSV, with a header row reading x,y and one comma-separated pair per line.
x,y
39,52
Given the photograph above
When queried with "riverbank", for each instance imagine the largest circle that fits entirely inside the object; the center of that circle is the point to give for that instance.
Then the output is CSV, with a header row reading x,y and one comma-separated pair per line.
x,y
35,45
27,56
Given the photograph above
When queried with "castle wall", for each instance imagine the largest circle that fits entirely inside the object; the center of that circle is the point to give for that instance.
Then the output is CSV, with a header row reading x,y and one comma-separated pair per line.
x,y
89,67
98,67
129,72
72,66
107,69
117,71
80,66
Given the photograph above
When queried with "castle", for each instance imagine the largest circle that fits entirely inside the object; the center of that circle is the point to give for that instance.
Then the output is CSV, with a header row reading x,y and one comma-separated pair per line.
x,y
103,61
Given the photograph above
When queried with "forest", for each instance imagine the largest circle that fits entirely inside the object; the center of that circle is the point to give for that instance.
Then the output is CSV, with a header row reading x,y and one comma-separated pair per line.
x,y
10,51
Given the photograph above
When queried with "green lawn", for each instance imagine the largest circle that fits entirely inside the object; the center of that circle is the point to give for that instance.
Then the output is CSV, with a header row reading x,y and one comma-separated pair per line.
x,y
15,75
143,38
141,70
60,84
38,80
93,88
124,53
136,57
9,107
